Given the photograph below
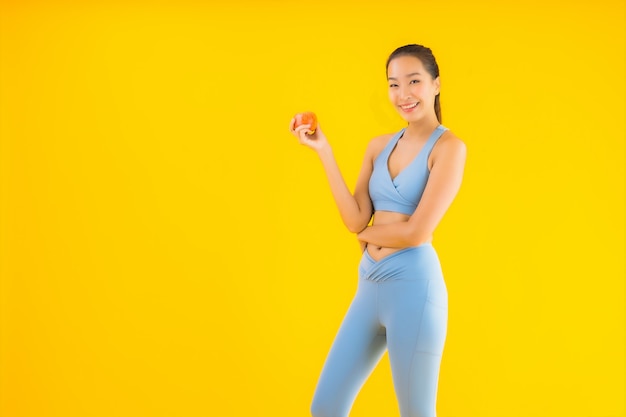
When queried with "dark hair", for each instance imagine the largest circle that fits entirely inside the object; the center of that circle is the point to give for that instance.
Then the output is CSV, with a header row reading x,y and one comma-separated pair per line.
x,y
425,55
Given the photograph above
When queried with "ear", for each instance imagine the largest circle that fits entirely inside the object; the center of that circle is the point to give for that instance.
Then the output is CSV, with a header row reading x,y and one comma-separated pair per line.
x,y
437,83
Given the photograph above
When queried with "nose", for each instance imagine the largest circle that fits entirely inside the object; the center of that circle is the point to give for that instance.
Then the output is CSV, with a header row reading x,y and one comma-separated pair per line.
x,y
405,93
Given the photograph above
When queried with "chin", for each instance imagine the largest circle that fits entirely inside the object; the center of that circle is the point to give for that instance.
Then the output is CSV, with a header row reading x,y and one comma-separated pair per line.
x,y
413,117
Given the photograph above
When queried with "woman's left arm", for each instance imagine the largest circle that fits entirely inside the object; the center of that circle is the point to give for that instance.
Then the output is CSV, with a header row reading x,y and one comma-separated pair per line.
x,y
442,186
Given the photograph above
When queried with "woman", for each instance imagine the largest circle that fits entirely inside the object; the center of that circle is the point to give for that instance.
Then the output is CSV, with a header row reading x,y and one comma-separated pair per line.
x,y
407,181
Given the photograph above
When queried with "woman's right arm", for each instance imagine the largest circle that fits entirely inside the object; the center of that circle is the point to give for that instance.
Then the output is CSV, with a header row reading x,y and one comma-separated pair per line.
x,y
355,210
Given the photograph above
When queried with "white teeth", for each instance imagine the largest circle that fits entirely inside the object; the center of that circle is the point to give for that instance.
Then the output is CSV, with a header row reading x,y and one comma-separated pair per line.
x,y
409,106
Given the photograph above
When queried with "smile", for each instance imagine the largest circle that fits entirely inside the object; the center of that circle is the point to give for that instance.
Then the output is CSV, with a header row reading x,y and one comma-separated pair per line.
x,y
409,106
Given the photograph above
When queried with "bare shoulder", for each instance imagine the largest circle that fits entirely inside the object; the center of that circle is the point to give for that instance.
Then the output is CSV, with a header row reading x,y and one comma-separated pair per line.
x,y
449,149
449,143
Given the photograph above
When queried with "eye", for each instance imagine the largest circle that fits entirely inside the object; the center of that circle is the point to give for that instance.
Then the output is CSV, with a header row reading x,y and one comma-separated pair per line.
x,y
415,81
393,85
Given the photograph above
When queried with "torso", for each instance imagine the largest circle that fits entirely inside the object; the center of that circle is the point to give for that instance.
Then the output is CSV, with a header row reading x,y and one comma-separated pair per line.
x,y
401,156
385,217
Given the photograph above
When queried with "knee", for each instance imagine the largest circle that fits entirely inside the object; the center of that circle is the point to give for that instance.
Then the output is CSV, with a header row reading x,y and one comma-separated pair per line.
x,y
323,408
318,411
422,411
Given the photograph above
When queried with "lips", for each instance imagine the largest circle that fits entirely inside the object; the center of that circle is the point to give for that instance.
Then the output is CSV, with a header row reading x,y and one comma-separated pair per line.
x,y
409,106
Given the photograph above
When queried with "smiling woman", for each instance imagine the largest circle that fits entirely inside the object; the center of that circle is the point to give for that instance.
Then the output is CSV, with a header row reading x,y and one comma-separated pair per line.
x,y
430,68
407,182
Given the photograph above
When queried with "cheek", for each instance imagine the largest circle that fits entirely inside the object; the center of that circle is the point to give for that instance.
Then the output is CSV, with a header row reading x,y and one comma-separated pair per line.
x,y
420,89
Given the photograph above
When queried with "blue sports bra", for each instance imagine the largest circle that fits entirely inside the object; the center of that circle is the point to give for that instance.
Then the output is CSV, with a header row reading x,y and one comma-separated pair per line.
x,y
402,193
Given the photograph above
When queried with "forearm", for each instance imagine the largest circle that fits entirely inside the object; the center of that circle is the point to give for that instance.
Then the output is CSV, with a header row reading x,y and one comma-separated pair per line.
x,y
391,235
346,203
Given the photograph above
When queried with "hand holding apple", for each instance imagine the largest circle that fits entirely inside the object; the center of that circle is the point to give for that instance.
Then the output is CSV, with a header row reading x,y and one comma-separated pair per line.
x,y
305,127
306,118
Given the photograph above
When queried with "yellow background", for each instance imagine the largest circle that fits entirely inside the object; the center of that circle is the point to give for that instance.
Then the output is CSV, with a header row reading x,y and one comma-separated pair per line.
x,y
168,249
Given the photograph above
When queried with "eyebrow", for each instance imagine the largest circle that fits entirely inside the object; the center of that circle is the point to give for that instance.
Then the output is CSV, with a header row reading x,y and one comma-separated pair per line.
x,y
408,75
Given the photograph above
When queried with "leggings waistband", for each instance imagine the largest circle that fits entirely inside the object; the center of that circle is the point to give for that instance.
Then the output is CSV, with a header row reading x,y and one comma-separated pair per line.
x,y
412,263
397,253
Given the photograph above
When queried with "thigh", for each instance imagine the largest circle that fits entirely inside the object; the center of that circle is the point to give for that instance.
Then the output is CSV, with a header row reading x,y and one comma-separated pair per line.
x,y
357,348
416,321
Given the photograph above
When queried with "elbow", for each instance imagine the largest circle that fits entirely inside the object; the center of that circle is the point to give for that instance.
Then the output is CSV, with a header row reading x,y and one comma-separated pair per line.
x,y
356,227
358,222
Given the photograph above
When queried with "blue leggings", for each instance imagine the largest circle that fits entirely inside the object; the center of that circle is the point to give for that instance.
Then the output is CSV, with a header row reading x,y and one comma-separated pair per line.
x,y
401,304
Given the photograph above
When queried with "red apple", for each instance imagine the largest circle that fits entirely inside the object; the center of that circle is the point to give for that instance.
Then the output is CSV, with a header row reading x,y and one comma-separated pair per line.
x,y
306,118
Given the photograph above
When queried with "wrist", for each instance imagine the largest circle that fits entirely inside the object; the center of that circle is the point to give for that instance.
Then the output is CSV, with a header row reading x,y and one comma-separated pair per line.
x,y
325,151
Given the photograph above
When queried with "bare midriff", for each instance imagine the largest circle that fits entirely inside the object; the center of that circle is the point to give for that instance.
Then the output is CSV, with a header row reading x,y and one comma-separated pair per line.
x,y
386,217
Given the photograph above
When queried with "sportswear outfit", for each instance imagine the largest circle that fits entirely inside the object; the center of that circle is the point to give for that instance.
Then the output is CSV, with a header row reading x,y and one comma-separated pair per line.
x,y
401,304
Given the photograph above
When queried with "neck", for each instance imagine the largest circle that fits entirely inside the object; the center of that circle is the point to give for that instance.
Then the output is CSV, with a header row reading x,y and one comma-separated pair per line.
x,y
422,128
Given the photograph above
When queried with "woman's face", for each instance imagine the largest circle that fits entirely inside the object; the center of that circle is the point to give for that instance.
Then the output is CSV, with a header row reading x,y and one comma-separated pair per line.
x,y
412,89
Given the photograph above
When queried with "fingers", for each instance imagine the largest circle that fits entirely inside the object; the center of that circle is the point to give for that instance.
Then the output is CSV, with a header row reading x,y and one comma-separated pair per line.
x,y
292,124
296,131
301,130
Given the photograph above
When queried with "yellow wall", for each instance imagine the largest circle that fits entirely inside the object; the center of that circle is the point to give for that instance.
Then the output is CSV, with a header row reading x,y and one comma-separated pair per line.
x,y
168,249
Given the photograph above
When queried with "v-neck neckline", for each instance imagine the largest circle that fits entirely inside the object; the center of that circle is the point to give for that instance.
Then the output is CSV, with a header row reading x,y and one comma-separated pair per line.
x,y
393,147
